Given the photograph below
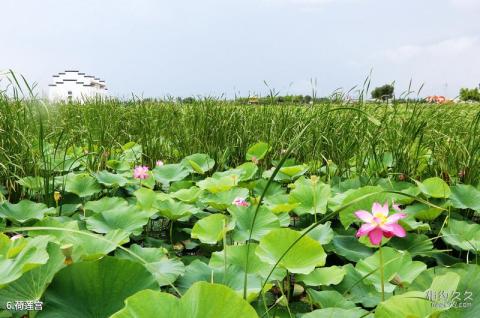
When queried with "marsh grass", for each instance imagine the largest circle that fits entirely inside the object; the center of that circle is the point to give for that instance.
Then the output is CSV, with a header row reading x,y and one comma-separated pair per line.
x,y
414,140
446,135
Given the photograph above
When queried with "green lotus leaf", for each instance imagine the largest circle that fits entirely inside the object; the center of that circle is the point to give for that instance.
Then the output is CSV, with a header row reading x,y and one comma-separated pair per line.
x,y
280,203
131,152
222,200
274,188
286,173
179,185
32,284
212,228
257,271
111,179
235,173
434,187
337,312
106,204
312,195
218,184
149,182
165,270
411,191
323,234
234,278
410,224
82,185
198,271
201,300
189,195
175,210
264,222
446,282
424,212
415,244
166,305
170,173
85,245
257,151
24,211
465,197
237,256
118,165
349,247
411,304
462,235
467,288
20,256
127,218
417,304
323,276
199,163
147,199
302,258
354,287
335,202
247,170
398,266
294,171
94,289
329,298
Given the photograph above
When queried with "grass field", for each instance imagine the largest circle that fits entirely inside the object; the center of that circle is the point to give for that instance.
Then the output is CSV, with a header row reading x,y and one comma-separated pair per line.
x,y
416,140
215,208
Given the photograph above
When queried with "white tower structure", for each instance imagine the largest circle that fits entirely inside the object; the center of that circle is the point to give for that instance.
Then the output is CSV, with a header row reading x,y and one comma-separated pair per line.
x,y
76,86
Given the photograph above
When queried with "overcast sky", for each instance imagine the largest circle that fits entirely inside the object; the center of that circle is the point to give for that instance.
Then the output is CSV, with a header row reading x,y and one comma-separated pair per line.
x,y
210,47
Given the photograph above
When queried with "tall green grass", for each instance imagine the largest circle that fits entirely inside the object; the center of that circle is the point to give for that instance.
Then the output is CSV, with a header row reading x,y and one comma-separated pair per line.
x,y
419,140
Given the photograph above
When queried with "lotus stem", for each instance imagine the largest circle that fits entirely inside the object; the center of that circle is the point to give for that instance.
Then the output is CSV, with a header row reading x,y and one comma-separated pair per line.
x,y
382,278
225,243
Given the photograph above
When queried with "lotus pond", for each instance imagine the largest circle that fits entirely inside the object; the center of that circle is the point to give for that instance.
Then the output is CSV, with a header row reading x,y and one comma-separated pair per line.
x,y
260,239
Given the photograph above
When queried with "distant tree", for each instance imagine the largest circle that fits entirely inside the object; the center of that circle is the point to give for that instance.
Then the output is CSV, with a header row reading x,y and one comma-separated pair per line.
x,y
470,94
307,99
188,100
384,92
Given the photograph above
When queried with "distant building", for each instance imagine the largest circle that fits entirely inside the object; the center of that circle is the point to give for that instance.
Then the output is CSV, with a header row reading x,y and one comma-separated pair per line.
x,y
76,86
437,99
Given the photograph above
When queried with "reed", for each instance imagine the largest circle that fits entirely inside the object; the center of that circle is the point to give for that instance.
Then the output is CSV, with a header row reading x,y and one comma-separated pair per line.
x,y
413,140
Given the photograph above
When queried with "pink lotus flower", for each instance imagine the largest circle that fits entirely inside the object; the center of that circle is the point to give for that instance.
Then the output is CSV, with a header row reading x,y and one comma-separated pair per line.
x,y
140,172
159,163
379,224
240,202
255,160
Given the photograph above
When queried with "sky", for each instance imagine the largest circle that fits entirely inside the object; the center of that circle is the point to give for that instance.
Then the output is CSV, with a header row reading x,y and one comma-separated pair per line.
x,y
156,48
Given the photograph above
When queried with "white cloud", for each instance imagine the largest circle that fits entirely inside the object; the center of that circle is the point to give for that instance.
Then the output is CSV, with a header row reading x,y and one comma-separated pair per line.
x,y
445,48
310,3
444,66
465,4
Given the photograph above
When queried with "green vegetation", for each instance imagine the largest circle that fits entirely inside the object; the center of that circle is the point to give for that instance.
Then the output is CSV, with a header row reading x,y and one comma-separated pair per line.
x,y
472,95
384,92
216,208
182,240
413,140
